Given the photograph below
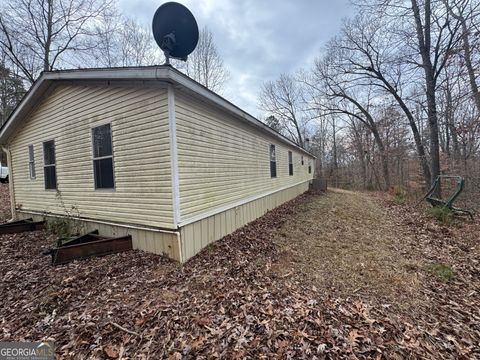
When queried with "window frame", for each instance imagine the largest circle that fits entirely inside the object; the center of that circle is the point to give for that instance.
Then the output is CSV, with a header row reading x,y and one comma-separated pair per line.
x,y
92,128
31,162
54,165
290,163
273,163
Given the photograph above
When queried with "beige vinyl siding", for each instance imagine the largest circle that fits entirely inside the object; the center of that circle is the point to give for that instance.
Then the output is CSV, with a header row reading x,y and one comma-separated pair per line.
x,y
141,153
222,160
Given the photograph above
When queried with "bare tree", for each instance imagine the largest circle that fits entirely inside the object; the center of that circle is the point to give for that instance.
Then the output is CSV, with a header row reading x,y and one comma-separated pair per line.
x,y
11,91
122,41
283,98
464,11
205,64
436,35
372,54
38,35
336,93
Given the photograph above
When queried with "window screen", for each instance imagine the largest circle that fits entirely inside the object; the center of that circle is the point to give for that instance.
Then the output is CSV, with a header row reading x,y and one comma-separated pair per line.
x,y
103,157
31,162
273,162
290,163
49,167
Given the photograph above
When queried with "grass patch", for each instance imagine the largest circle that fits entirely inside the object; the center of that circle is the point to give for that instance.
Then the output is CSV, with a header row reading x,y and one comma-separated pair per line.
x,y
399,195
442,272
442,214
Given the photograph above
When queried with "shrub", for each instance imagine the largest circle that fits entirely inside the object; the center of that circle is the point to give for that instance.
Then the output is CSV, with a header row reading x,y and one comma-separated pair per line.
x,y
442,214
399,195
68,225
442,271
60,227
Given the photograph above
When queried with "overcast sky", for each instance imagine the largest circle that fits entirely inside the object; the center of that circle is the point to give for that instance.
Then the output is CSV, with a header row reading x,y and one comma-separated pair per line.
x,y
258,39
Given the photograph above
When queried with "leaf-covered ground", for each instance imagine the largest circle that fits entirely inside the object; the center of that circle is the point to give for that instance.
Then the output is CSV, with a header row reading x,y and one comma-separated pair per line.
x,y
338,275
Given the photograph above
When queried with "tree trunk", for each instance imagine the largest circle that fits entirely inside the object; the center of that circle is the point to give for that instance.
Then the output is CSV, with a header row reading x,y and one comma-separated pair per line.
x,y
467,55
424,46
418,141
413,125
48,40
383,157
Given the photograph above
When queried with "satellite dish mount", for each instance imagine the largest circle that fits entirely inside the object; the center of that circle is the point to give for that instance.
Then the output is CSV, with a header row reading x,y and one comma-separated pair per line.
x,y
175,30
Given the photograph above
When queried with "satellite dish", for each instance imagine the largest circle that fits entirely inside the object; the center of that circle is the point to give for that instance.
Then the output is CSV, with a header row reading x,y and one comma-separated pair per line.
x,y
175,30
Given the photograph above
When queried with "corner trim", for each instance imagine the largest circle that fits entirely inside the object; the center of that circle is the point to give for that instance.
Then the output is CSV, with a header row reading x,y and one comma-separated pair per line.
x,y
172,128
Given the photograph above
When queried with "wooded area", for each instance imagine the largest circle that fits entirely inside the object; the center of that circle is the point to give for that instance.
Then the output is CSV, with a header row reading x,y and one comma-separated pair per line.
x,y
393,99
47,35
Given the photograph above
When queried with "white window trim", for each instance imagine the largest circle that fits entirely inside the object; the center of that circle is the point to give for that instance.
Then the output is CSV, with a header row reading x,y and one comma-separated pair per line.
x,y
31,163
270,160
50,165
92,128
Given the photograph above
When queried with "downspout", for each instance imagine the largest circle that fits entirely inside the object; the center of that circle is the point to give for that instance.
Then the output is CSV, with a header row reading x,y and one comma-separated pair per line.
x,y
10,182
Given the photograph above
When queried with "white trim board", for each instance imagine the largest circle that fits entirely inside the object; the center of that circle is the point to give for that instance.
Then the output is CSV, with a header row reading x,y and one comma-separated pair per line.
x,y
172,128
235,204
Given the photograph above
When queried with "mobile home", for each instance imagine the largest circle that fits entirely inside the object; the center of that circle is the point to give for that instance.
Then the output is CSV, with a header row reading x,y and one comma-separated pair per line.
x,y
147,152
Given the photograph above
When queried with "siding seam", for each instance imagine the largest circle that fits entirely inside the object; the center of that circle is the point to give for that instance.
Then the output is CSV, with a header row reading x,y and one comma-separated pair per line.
x,y
173,156
244,201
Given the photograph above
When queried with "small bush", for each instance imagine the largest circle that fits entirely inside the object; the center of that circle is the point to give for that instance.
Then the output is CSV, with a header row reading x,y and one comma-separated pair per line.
x,y
61,227
66,226
442,271
399,195
442,214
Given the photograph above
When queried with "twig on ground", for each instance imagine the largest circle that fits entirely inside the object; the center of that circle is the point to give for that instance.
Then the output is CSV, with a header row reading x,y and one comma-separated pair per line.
x,y
124,329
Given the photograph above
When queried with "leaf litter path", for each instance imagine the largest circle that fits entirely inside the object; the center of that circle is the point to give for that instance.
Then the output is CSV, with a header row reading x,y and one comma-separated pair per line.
x,y
346,243
252,296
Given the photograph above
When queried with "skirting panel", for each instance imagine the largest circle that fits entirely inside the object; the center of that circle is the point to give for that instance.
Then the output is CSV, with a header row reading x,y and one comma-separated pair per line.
x,y
154,241
193,237
197,235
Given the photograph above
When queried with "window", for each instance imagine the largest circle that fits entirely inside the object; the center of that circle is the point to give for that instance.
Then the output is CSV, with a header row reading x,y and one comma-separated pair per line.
x,y
31,162
309,167
103,157
302,159
290,163
273,162
49,167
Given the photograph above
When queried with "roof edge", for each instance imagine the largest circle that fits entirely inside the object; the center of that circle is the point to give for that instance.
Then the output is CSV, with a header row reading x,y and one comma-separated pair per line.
x,y
161,73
